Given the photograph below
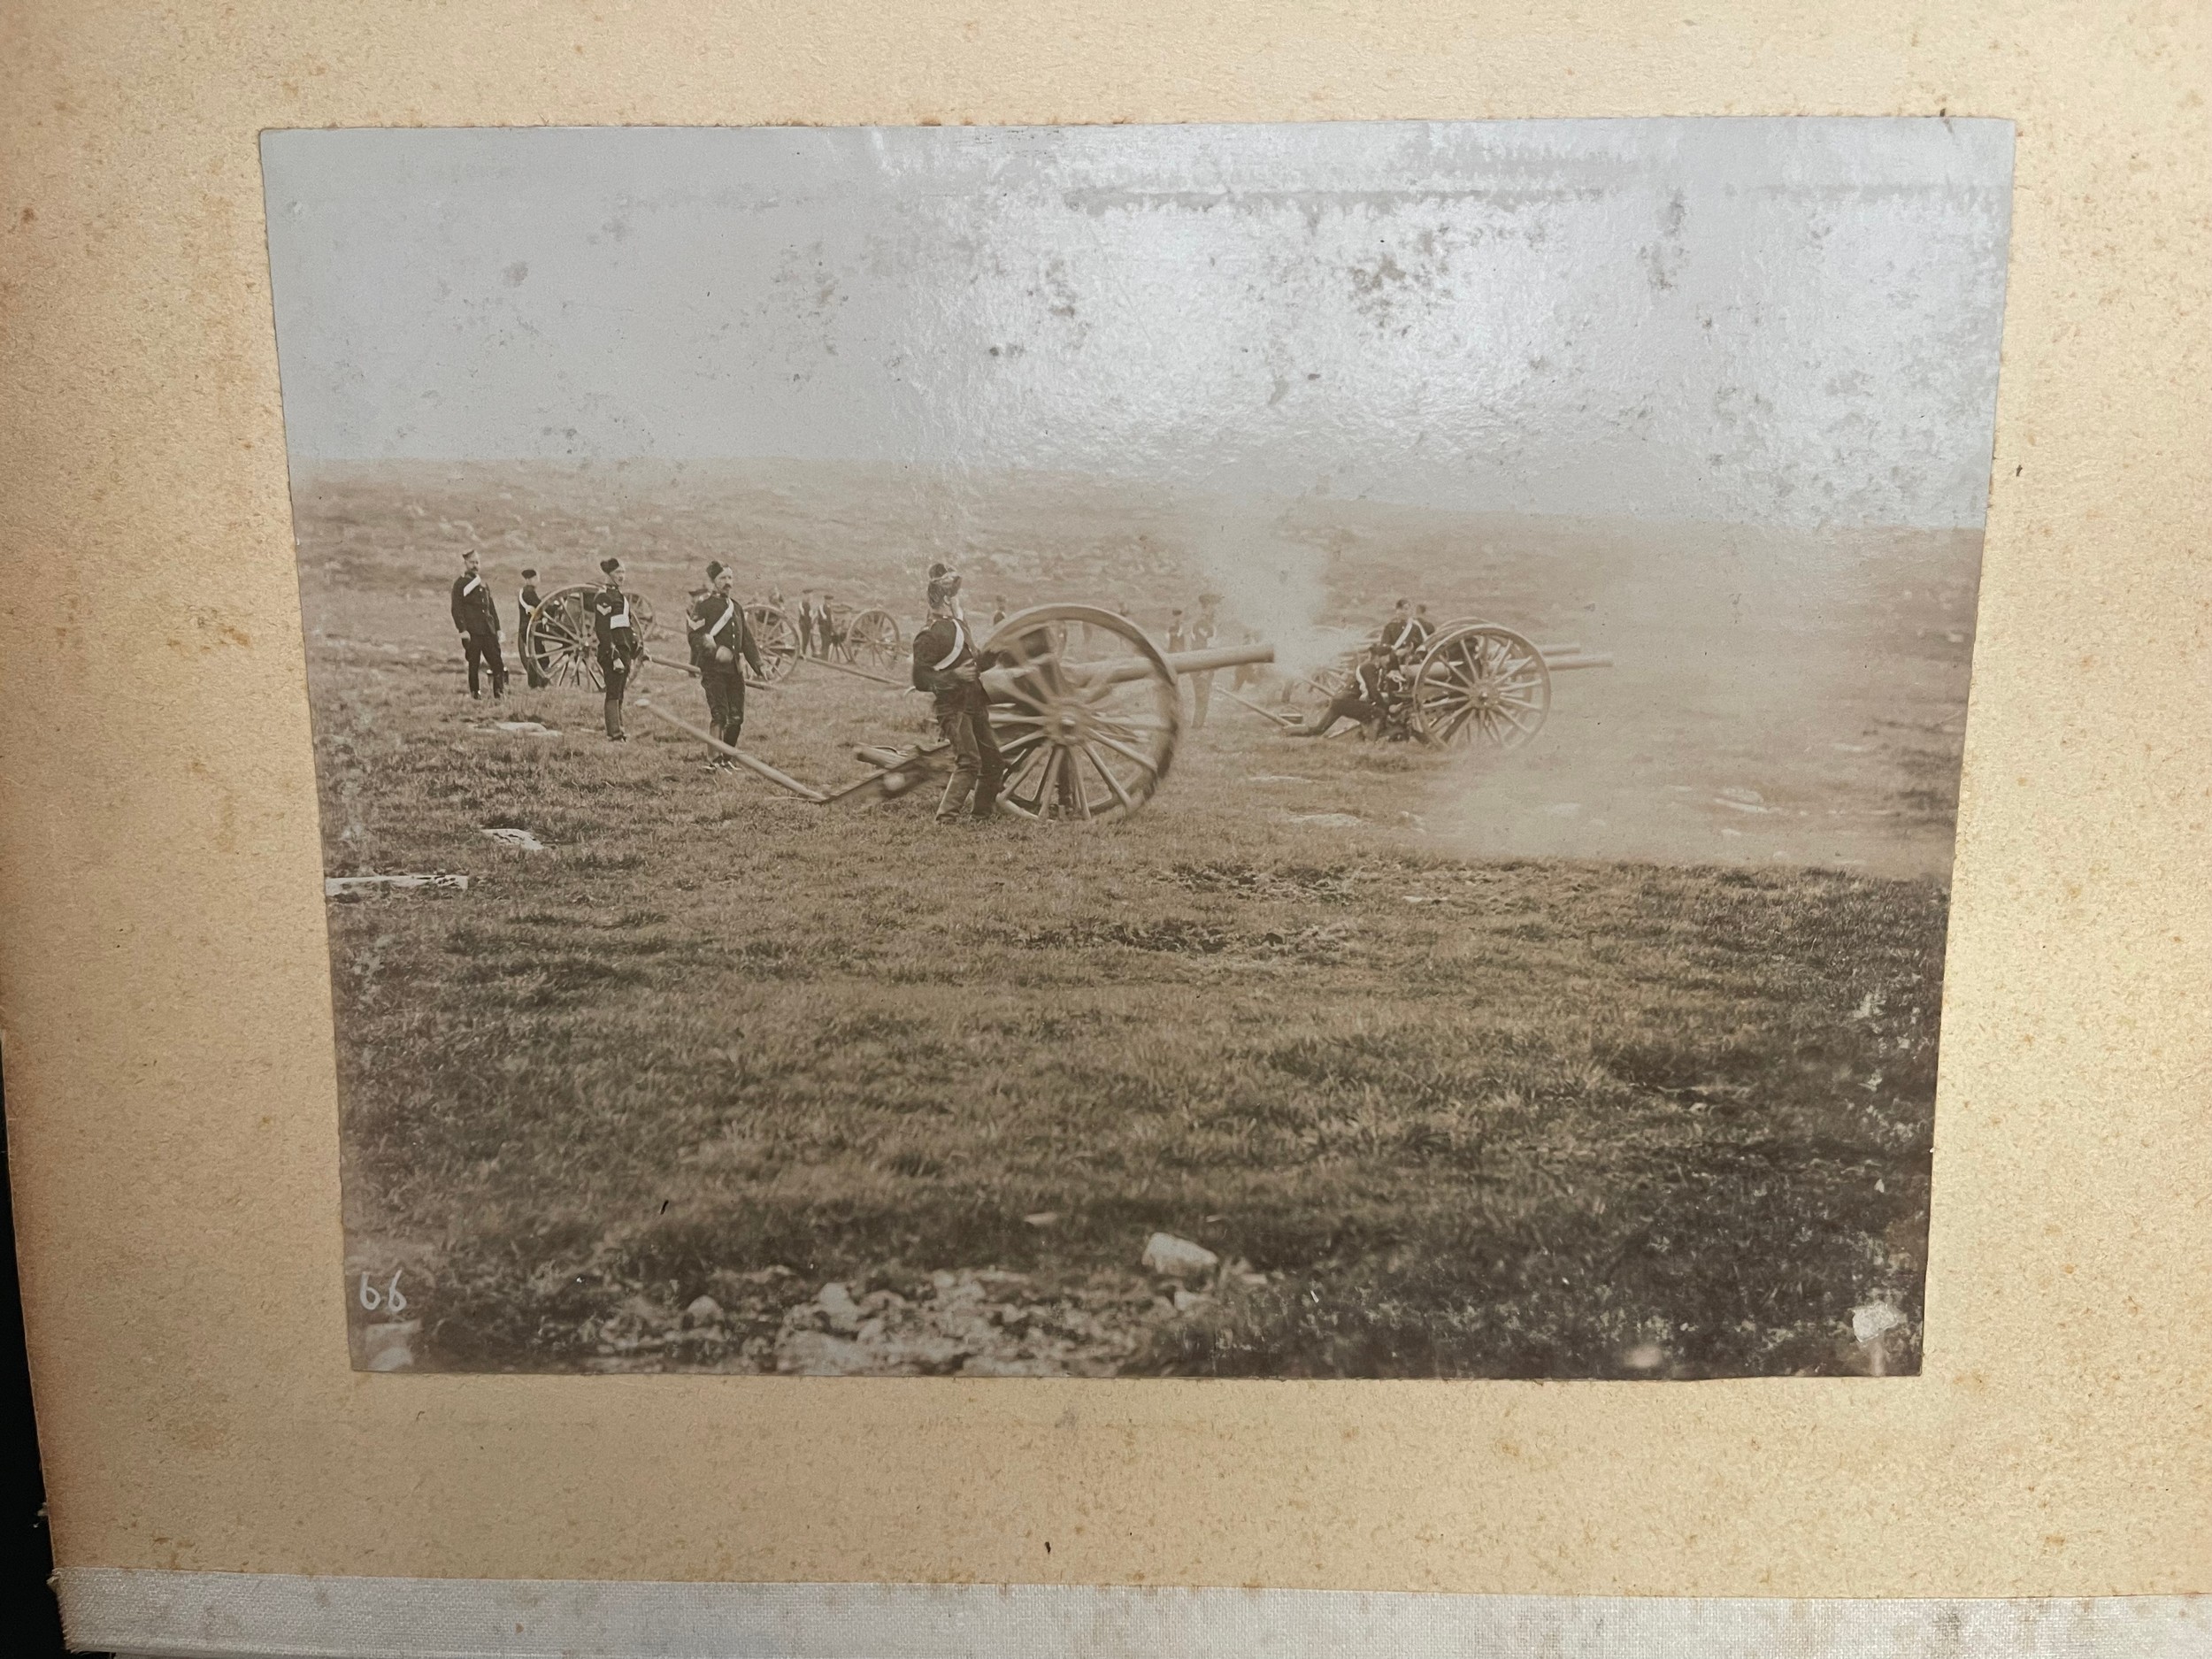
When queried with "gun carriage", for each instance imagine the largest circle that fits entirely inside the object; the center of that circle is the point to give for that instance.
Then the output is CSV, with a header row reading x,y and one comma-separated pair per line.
x,y
1085,708
559,642
1470,682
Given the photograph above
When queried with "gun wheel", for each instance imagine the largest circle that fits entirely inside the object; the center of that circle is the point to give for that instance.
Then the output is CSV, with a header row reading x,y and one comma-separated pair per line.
x,y
775,636
1088,723
1481,683
873,638
561,642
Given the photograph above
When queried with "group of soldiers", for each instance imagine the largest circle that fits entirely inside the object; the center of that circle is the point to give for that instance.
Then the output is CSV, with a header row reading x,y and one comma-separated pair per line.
x,y
1379,694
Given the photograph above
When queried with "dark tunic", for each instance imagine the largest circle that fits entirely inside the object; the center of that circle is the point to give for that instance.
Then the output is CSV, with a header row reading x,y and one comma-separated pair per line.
x,y
474,610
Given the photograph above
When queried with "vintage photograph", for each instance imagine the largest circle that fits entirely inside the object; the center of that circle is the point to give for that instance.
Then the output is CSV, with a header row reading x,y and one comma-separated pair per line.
x,y
1322,751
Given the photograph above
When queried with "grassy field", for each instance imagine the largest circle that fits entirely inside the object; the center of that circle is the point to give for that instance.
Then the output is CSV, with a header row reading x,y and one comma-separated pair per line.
x,y
903,1098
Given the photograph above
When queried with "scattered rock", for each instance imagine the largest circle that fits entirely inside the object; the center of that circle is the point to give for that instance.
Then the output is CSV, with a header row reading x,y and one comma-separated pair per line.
x,y
1743,797
1186,1299
815,1354
521,840
1874,1320
1043,1219
1644,1356
1178,1258
1276,777
702,1310
523,729
341,886
838,1304
1330,820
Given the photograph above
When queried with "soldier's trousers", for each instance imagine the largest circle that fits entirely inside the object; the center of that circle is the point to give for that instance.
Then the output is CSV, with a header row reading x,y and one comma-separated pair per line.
x,y
483,649
978,767
615,673
1201,693
725,702
1346,707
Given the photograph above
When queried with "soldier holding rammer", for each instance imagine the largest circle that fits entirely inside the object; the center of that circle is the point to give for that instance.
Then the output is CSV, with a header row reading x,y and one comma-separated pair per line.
x,y
947,667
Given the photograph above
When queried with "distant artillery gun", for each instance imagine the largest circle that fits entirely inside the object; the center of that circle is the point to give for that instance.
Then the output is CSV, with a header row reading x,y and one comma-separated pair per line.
x,y
1084,707
559,640
1473,682
856,639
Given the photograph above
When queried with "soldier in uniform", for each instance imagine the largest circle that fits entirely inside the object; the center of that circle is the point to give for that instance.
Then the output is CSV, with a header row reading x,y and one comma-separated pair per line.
x,y
476,614
825,627
1177,639
1204,629
619,647
526,607
806,622
719,640
946,667
1397,632
1367,699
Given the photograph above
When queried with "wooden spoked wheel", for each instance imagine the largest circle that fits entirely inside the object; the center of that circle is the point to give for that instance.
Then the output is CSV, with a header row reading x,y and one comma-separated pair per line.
x,y
872,638
561,642
1086,712
775,636
1481,684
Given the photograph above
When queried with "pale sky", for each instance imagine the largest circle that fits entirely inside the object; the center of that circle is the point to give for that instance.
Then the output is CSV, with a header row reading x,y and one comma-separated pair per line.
x,y
1790,321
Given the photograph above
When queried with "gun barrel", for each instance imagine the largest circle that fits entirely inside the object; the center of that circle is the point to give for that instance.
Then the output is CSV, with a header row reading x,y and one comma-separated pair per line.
x,y
1114,670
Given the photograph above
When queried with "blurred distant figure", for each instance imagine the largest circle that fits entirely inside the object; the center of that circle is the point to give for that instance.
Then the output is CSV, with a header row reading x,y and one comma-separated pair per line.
x,y
828,626
1178,639
1424,630
721,646
476,614
526,607
1203,628
806,623
616,636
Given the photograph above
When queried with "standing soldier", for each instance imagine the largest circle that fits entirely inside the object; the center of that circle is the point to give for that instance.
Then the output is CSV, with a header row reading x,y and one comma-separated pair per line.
x,y
806,622
476,614
525,608
1176,637
1203,632
719,638
1424,630
945,665
826,625
618,641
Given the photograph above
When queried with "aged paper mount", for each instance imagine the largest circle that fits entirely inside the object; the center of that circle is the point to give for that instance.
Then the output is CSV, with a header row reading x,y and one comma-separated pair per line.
x,y
169,1048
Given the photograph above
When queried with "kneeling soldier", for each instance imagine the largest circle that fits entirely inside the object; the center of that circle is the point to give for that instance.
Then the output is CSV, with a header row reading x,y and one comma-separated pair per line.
x,y
946,667
1367,699
719,638
619,647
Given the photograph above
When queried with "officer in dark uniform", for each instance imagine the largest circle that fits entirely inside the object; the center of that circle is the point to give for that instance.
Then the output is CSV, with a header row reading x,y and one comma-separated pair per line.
x,y
526,607
946,667
721,645
806,623
476,614
1367,699
619,647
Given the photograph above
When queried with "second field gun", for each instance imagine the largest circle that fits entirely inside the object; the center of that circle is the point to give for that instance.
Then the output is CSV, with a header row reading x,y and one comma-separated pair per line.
x,y
1086,709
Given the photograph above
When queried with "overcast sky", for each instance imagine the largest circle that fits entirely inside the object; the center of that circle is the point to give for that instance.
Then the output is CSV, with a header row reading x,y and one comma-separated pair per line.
x,y
1759,320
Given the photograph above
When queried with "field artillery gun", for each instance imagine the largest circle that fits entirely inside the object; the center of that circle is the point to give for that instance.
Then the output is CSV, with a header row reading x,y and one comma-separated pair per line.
x,y
558,640
1086,709
869,639
1475,682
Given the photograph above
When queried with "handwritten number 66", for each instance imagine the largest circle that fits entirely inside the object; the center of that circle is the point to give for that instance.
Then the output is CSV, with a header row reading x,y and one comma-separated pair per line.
x,y
389,1298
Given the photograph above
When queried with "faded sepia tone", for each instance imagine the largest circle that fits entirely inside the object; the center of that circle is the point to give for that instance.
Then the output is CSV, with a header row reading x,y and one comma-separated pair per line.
x,y
170,1101
1568,1008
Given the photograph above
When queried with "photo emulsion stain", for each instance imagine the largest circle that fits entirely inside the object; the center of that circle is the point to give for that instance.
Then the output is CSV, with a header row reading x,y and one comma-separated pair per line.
x,y
1274,751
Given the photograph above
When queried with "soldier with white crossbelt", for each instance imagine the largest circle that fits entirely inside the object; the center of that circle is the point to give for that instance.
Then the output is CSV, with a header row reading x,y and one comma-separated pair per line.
x,y
476,614
947,667
721,645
